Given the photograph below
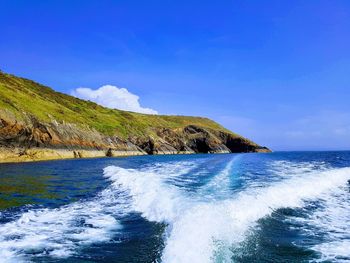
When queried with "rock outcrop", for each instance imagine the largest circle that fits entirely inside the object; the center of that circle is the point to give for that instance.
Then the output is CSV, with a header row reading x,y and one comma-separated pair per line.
x,y
34,140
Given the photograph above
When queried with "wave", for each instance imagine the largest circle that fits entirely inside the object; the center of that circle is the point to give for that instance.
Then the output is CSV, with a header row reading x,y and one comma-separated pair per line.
x,y
202,226
150,195
330,221
61,232
202,231
284,169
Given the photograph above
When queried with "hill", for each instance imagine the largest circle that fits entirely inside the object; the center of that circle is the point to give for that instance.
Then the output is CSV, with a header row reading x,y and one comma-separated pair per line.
x,y
39,123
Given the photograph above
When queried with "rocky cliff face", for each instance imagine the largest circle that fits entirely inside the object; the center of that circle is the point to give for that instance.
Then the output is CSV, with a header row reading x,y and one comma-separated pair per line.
x,y
37,123
26,140
195,139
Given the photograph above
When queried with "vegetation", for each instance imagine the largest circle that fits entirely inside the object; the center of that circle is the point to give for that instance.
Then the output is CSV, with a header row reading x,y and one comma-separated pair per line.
x,y
22,96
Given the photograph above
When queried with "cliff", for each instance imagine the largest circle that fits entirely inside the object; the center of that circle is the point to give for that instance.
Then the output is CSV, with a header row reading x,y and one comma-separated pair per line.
x,y
38,123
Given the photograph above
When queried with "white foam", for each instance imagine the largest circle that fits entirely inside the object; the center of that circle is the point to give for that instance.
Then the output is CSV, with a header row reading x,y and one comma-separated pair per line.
x,y
156,200
58,232
198,230
330,221
334,251
288,169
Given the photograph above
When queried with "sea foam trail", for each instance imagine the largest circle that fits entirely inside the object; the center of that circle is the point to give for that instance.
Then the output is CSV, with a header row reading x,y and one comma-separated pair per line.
x,y
62,231
151,196
219,185
59,232
331,221
204,231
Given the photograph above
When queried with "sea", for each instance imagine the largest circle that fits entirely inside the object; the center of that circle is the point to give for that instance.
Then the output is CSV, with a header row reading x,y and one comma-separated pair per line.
x,y
266,207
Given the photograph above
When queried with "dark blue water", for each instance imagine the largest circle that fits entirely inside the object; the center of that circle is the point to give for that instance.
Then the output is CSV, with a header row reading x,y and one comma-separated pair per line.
x,y
278,207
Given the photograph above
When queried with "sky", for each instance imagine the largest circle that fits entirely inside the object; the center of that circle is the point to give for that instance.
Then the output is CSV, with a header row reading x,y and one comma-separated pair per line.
x,y
277,72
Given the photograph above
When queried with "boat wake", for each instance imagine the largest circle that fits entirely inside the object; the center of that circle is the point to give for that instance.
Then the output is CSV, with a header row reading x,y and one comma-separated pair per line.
x,y
59,232
203,225
202,231
63,231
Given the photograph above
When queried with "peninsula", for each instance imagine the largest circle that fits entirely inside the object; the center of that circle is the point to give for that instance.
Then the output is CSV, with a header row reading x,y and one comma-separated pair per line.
x,y
38,123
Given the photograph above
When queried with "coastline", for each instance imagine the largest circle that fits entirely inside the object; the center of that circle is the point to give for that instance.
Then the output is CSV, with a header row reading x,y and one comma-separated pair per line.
x,y
20,155
72,128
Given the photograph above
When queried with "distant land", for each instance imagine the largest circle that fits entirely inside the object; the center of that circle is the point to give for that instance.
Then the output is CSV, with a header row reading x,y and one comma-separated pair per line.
x,y
38,123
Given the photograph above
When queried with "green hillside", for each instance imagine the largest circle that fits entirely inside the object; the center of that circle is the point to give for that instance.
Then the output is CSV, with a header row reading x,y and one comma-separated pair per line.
x,y
20,95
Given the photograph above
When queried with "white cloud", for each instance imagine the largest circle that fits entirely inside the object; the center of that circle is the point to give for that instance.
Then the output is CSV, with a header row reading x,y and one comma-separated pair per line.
x,y
113,97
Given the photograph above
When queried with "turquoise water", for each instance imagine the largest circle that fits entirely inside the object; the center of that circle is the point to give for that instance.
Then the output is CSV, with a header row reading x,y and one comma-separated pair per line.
x,y
278,207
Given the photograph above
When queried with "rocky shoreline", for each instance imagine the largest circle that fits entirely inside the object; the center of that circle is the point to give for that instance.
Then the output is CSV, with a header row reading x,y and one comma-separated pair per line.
x,y
15,155
18,155
32,140
38,123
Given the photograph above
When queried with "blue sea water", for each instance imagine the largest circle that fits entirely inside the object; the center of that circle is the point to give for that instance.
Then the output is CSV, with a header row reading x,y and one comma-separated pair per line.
x,y
276,207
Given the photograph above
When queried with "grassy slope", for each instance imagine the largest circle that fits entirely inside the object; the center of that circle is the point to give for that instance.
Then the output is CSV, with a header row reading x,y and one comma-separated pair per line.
x,y
22,95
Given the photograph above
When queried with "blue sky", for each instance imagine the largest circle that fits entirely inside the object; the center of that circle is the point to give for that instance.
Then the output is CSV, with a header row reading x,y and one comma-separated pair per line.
x,y
277,72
